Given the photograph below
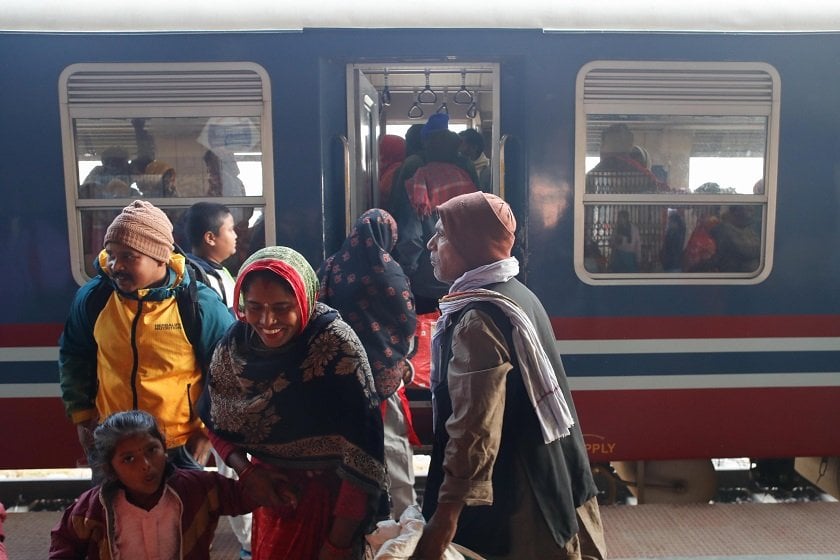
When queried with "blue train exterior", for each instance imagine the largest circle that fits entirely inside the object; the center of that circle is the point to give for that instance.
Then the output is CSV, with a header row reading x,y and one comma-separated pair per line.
x,y
659,370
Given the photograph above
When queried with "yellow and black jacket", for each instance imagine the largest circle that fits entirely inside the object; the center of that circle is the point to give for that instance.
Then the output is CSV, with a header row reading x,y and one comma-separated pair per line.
x,y
135,353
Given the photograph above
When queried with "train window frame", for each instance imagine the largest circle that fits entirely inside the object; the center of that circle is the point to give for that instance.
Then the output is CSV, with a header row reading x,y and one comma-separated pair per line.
x,y
620,96
223,90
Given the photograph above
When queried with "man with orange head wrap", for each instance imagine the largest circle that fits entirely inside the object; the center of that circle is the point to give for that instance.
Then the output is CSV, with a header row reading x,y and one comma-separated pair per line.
x,y
509,475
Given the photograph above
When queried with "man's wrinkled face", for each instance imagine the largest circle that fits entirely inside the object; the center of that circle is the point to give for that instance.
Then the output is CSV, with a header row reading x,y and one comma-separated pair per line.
x,y
446,260
132,270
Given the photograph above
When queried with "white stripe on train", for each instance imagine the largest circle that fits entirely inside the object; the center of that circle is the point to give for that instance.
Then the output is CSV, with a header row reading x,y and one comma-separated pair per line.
x,y
616,382
582,347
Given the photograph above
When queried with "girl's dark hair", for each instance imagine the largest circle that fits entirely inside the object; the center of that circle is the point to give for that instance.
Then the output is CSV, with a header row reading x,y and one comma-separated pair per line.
x,y
115,429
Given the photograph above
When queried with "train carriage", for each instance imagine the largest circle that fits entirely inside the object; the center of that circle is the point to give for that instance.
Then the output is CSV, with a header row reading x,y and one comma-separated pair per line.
x,y
726,346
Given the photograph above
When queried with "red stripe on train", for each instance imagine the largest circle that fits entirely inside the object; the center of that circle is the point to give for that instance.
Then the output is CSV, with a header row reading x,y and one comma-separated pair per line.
x,y
43,437
719,326
618,425
696,423
30,334
584,328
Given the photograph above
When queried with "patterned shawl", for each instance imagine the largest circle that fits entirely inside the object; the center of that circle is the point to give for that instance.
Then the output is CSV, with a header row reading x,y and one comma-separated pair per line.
x,y
307,405
372,293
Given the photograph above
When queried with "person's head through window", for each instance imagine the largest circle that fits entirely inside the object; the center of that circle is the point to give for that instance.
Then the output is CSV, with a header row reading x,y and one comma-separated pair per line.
x,y
616,140
159,180
214,173
115,160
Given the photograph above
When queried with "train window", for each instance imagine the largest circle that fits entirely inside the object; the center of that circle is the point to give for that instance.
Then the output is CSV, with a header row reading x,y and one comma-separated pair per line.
x,y
172,134
675,178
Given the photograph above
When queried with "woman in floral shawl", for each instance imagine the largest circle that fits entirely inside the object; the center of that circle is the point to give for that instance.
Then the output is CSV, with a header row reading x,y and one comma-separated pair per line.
x,y
372,293
289,384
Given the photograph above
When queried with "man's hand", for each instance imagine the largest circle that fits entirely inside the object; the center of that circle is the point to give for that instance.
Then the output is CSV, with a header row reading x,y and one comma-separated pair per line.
x,y
438,532
84,430
199,446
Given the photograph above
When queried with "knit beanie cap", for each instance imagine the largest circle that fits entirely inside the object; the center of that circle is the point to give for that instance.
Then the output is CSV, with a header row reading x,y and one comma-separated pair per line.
x,y
144,228
438,121
481,226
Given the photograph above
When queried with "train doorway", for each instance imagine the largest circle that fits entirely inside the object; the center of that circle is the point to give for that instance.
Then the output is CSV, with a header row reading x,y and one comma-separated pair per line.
x,y
387,98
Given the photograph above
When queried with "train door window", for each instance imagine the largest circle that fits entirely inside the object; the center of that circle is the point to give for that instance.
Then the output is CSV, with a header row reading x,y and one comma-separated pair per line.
x,y
675,172
172,134
406,94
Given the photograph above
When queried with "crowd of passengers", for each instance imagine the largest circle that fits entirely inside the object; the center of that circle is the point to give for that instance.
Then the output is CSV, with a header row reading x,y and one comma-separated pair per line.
x,y
293,379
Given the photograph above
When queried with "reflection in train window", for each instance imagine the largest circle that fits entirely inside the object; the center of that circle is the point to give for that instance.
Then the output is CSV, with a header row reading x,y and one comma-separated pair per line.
x,y
172,134
676,179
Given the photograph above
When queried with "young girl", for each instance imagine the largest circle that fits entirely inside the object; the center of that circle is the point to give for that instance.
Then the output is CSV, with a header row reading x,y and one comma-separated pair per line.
x,y
144,502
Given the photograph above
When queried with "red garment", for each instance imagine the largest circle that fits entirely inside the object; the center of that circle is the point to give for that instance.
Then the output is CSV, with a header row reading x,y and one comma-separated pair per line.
x,y
413,438
701,247
422,358
300,533
391,156
435,183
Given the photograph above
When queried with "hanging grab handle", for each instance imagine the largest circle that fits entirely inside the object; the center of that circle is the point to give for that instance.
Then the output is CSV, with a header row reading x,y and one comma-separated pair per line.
x,y
415,111
472,110
443,109
463,96
427,96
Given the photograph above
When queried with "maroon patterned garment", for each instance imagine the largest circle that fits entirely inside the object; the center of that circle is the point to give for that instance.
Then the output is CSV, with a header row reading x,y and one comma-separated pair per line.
x,y
372,293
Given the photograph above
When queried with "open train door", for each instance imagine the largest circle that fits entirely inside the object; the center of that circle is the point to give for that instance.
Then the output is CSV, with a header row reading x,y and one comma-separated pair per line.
x,y
361,182
406,94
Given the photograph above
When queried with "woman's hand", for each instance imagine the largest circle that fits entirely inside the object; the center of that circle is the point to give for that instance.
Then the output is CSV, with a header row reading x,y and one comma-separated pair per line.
x,y
268,487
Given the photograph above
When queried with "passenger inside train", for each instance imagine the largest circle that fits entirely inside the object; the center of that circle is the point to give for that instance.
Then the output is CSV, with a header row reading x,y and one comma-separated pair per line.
x,y
436,175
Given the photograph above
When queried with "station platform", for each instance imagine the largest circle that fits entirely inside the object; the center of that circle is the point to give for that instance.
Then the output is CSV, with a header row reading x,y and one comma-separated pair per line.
x,y
743,531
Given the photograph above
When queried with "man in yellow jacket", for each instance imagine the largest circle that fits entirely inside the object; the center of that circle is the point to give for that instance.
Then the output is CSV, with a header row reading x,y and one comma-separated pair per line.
x,y
127,342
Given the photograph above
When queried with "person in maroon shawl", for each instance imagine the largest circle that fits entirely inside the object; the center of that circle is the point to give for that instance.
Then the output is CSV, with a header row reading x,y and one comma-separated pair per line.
x,y
370,290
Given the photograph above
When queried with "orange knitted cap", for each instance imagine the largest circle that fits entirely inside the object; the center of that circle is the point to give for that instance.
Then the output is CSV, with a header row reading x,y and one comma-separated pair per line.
x,y
144,228
481,226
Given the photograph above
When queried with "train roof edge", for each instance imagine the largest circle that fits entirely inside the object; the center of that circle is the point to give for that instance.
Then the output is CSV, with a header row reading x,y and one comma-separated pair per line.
x,y
90,16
